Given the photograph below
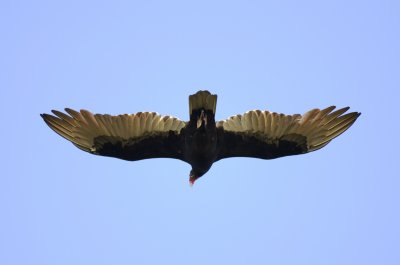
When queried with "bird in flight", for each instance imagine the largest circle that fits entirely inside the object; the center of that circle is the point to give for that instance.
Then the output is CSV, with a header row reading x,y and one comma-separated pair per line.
x,y
201,141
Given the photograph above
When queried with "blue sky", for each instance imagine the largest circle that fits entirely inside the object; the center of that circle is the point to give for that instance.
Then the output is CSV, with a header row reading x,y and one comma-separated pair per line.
x,y
339,205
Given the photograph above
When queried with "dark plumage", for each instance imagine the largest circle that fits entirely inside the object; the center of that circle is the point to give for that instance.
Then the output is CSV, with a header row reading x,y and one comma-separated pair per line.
x,y
201,141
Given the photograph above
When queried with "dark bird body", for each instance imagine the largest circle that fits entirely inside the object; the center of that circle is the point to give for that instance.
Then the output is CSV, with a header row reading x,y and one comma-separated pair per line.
x,y
201,141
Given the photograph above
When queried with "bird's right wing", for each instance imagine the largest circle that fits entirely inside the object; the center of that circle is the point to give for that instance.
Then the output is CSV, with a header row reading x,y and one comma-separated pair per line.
x,y
267,135
130,137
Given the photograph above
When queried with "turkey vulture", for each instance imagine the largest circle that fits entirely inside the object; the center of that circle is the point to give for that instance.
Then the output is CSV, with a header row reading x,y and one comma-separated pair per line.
x,y
201,141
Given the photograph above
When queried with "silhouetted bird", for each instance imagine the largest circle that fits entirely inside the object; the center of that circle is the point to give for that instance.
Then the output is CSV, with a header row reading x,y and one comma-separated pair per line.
x,y
201,141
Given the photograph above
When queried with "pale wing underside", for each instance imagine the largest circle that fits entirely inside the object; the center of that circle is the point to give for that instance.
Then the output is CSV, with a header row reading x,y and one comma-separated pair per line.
x,y
316,127
90,131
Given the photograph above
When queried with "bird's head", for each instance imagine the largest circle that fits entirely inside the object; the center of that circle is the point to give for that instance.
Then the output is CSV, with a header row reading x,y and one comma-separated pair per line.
x,y
194,175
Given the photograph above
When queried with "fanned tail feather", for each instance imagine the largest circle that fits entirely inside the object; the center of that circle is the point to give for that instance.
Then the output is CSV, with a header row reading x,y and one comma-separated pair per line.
x,y
202,100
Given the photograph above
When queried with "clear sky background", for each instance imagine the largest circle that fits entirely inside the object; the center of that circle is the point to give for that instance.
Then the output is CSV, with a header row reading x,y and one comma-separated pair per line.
x,y
339,205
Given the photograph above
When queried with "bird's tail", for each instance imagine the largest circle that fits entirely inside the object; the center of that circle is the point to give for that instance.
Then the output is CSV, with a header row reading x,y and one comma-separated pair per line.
x,y
202,100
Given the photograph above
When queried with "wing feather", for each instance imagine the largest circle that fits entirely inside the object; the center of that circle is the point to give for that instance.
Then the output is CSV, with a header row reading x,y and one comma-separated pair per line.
x,y
74,114
65,117
261,121
131,137
265,134
330,117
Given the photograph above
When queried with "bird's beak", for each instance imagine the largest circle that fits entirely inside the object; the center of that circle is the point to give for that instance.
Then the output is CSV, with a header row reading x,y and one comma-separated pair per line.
x,y
203,117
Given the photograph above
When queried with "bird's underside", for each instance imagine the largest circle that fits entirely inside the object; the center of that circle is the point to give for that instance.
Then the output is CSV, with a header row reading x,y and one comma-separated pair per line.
x,y
201,141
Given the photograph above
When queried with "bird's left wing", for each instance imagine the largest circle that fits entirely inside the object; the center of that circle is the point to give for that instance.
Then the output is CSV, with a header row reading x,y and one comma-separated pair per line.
x,y
130,137
267,135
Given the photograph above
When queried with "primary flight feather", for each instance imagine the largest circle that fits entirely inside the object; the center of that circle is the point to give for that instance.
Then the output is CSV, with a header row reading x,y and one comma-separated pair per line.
x,y
201,141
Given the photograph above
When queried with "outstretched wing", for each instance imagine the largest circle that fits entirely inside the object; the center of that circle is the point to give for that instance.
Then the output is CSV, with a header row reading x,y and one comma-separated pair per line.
x,y
267,135
131,137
